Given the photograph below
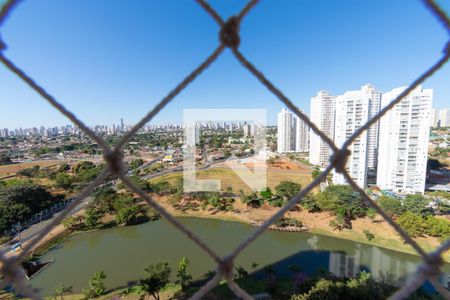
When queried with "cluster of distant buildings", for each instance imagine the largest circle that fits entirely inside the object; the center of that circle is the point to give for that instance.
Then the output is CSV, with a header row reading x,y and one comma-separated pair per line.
x,y
393,151
48,132
41,131
440,117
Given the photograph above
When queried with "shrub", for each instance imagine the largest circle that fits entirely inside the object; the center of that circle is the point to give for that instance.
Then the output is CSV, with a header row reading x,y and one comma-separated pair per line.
x,y
136,163
412,223
63,181
369,235
309,203
286,222
157,277
392,206
253,200
361,287
417,204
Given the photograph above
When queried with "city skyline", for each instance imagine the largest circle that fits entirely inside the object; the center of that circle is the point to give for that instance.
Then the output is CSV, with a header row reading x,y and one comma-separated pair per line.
x,y
123,70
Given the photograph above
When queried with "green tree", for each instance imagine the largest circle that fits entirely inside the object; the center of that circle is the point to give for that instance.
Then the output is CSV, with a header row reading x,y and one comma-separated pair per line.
x,y
96,285
128,214
136,163
137,181
63,167
82,166
371,214
157,277
361,287
63,181
162,187
287,189
104,199
20,201
72,222
29,172
309,203
60,290
92,217
417,204
412,223
340,222
184,277
5,159
266,194
392,206
438,227
252,200
315,172
342,201
241,273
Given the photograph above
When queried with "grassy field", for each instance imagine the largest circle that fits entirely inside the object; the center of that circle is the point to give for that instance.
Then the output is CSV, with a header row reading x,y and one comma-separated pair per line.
x,y
229,178
14,168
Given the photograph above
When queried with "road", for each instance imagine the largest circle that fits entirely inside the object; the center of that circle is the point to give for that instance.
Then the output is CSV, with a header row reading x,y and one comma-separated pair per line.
x,y
32,231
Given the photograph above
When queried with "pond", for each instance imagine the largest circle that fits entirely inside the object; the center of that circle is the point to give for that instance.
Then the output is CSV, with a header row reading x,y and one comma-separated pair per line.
x,y
123,252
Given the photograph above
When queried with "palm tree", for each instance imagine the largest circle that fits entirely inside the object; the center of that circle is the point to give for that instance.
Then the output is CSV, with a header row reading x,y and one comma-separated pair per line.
x,y
182,274
96,284
60,290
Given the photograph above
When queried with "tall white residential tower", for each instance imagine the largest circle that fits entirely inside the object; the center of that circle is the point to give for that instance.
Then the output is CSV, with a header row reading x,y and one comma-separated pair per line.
x,y
352,112
444,117
286,131
322,114
191,135
403,141
301,136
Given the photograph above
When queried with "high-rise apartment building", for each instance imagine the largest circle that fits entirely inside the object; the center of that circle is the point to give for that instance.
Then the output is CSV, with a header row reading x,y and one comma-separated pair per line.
x,y
247,130
444,117
286,131
322,114
373,131
403,141
353,110
301,135
191,135
434,117
122,125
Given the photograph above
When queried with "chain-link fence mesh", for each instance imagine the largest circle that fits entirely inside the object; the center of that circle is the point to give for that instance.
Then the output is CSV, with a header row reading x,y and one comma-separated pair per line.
x,y
430,268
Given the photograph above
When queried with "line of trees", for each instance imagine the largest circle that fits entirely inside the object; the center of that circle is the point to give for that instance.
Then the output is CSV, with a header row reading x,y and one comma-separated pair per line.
x,y
19,200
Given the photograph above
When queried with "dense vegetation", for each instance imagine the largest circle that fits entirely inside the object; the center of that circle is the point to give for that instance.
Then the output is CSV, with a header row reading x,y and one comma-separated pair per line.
x,y
20,201
84,148
413,213
81,174
5,159
123,206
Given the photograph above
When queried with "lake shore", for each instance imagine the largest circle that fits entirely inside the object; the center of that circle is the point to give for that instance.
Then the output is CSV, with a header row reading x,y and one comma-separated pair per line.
x,y
318,223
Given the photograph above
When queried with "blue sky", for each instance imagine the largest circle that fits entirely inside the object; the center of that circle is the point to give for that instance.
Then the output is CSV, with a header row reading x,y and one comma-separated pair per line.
x,y
107,59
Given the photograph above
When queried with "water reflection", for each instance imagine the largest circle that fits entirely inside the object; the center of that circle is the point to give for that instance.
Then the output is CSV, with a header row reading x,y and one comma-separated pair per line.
x,y
123,253
379,262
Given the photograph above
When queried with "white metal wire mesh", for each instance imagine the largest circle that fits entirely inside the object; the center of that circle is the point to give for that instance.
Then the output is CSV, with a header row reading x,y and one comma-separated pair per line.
x,y
430,269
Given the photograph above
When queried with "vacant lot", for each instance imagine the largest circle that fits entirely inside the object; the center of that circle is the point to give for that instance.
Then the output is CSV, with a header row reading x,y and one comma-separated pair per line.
x,y
14,168
229,178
